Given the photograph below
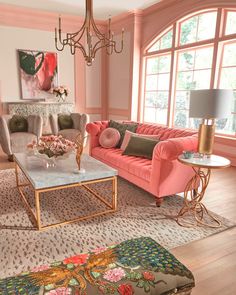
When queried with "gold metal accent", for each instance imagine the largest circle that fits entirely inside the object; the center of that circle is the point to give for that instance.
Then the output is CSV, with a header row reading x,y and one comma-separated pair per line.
x,y
85,35
206,137
193,205
79,148
37,194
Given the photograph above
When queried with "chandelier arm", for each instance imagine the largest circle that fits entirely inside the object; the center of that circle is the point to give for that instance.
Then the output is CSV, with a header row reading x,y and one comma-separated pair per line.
x,y
122,44
87,31
81,29
121,49
102,46
111,48
80,37
56,42
97,32
81,47
97,44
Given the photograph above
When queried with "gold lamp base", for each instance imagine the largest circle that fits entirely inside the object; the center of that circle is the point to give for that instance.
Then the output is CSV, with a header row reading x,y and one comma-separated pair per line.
x,y
206,137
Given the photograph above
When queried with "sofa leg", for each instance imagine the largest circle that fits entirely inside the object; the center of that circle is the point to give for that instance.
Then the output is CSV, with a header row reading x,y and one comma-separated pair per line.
x,y
10,158
159,202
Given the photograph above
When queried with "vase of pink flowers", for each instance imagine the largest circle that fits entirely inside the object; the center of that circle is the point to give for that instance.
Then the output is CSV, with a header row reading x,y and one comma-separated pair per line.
x,y
51,148
61,93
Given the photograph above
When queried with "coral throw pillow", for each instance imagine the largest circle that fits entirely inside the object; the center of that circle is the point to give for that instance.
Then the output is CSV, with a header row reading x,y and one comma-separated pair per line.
x,y
128,135
109,138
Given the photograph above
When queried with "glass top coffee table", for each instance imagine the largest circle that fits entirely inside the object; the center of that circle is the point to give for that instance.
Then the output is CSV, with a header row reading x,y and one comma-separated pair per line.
x,y
43,179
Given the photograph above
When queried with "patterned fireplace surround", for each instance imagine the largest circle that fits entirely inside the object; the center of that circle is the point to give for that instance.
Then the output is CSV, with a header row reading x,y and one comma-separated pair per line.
x,y
40,108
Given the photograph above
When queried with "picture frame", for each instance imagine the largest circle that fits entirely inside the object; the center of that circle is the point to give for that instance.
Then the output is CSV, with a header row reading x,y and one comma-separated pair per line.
x,y
38,71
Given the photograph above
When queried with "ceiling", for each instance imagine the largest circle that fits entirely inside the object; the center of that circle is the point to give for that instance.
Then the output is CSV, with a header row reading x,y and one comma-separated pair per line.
x,y
102,8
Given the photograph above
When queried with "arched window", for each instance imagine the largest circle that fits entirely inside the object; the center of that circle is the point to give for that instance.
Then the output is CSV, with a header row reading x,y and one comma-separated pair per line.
x,y
197,52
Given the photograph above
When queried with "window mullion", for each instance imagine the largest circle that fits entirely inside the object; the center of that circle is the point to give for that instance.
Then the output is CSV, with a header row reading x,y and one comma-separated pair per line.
x,y
216,47
170,112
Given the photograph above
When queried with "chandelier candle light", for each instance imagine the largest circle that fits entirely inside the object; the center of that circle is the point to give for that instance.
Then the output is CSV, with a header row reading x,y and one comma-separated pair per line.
x,y
88,32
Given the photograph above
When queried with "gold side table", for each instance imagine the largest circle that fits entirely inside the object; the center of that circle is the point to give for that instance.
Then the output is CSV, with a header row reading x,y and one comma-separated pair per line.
x,y
195,190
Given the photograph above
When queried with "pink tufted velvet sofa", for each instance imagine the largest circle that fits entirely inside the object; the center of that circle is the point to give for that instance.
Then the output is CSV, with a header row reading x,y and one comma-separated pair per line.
x,y
163,175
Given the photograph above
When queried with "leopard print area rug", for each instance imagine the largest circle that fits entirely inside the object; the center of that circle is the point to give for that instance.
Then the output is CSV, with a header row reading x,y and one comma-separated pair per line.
x,y
23,248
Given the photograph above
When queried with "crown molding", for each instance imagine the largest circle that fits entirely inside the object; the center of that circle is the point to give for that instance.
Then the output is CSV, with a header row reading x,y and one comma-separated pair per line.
x,y
11,15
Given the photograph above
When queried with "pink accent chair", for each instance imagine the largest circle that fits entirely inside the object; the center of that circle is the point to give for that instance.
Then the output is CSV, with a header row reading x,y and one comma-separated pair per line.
x,y
162,176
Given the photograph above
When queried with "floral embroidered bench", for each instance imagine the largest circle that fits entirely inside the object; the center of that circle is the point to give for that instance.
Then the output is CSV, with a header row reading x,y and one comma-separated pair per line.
x,y
138,266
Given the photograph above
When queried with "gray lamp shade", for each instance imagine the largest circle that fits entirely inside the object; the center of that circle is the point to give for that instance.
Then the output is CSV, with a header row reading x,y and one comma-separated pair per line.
x,y
210,103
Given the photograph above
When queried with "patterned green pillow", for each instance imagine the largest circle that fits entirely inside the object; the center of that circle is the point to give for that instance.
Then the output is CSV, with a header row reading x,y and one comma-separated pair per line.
x,y
140,147
122,127
18,124
65,122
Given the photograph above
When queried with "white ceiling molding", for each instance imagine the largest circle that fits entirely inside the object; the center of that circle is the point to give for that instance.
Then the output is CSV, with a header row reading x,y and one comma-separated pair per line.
x,y
102,8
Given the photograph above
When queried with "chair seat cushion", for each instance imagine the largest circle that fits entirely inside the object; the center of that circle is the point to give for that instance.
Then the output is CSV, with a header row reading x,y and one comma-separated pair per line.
x,y
19,141
70,134
137,266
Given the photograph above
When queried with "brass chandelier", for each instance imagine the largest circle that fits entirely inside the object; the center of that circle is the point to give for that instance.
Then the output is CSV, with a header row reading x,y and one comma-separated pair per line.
x,y
88,34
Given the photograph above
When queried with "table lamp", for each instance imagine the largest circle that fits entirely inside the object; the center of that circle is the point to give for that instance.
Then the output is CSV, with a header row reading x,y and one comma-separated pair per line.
x,y
209,104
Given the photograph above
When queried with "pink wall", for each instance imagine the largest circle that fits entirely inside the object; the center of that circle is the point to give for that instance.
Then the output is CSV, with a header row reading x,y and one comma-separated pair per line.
x,y
13,16
1,107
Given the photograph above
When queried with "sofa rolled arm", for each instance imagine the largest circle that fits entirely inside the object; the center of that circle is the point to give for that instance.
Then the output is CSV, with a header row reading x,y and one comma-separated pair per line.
x,y
171,148
95,128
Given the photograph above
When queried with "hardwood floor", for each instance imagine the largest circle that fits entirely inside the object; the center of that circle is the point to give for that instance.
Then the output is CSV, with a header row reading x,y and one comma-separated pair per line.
x,y
212,260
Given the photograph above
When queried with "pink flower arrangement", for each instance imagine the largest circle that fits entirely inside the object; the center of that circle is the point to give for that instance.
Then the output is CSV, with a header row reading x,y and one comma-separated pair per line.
x,y
60,91
114,275
52,146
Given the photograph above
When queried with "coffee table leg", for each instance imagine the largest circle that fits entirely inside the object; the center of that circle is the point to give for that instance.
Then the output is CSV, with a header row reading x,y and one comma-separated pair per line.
x,y
37,203
114,193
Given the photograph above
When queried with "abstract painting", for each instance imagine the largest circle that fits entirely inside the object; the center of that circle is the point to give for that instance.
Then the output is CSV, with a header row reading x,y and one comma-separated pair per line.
x,y
38,73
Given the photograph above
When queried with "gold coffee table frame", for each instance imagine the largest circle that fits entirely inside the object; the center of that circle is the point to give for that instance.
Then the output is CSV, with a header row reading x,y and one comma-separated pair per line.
x,y
37,194
195,191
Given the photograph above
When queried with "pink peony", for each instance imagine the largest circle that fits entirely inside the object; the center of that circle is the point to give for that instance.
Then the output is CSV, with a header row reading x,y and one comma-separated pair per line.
x,y
114,275
60,291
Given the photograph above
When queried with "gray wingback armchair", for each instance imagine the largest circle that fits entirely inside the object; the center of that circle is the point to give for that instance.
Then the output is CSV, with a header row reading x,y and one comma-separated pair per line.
x,y
69,126
16,142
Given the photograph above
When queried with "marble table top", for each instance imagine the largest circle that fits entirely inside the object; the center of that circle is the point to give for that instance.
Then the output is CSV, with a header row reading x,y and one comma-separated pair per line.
x,y
212,162
64,173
